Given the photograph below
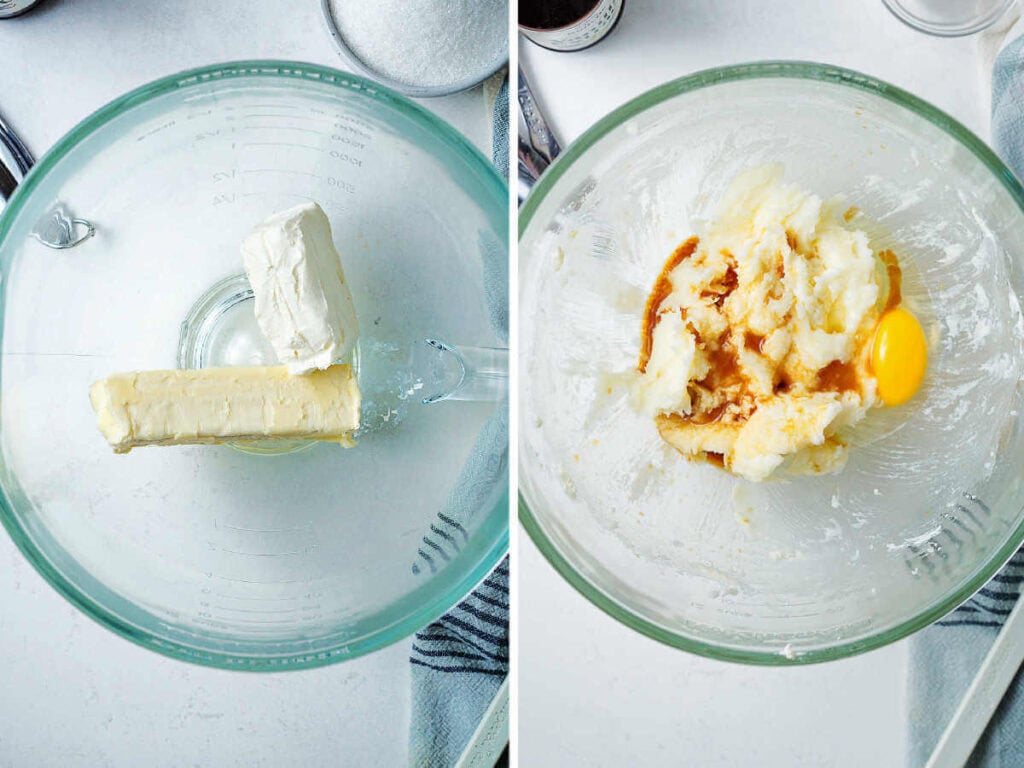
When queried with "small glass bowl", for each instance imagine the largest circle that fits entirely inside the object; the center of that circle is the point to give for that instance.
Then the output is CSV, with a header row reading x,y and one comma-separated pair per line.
x,y
407,89
948,19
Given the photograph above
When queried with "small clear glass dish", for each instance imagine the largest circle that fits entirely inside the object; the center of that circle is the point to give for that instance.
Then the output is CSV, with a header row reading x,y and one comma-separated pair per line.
x,y
415,90
949,18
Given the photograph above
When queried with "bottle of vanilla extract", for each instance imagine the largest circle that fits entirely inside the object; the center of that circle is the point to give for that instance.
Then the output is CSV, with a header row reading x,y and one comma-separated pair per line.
x,y
568,25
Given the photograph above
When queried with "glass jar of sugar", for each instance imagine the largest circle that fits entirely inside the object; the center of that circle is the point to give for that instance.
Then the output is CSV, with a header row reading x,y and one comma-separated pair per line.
x,y
422,47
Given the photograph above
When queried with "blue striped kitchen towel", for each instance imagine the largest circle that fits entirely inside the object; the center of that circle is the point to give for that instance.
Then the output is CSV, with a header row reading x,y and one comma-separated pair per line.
x,y
458,664
496,95
460,661
944,659
946,656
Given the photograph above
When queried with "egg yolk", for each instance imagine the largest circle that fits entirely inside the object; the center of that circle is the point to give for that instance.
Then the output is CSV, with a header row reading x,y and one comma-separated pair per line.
x,y
899,355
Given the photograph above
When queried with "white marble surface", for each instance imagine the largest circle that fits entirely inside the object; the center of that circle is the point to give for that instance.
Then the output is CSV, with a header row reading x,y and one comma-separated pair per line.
x,y
594,693
591,691
73,694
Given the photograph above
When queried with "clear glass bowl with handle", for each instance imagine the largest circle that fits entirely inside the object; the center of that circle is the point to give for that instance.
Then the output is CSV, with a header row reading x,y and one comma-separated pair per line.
x,y
800,569
236,558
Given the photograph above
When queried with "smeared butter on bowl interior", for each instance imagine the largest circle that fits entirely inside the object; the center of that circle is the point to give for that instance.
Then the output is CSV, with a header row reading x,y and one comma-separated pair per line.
x,y
756,343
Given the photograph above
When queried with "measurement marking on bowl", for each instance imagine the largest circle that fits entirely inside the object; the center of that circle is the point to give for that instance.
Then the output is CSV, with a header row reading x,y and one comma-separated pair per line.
x,y
260,115
922,557
278,128
980,503
276,582
936,551
282,144
446,536
272,611
948,532
261,622
255,599
304,528
321,200
209,620
340,126
255,623
437,548
282,170
456,525
266,554
275,127
960,524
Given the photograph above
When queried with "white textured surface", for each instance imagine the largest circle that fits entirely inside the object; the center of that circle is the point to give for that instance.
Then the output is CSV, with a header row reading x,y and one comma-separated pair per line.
x,y
74,694
593,692
67,58
659,40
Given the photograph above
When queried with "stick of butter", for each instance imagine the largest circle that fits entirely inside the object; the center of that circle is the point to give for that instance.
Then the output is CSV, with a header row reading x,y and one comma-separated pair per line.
x,y
303,304
217,405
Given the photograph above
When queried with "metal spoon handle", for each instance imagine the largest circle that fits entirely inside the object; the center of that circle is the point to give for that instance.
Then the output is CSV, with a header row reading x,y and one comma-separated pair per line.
x,y
539,132
7,182
23,159
15,160
539,147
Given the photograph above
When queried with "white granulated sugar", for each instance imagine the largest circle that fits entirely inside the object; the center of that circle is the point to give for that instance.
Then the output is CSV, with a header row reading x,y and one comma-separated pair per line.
x,y
432,43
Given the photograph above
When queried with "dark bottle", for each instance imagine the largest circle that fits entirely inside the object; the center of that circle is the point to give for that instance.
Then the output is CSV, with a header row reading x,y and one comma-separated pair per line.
x,y
568,25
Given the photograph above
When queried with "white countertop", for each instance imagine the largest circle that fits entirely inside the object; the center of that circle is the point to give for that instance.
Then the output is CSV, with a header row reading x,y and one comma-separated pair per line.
x,y
73,693
591,691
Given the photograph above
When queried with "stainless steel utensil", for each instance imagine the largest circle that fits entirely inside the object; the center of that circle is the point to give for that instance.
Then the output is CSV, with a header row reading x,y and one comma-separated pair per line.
x,y
18,151
11,8
538,146
7,183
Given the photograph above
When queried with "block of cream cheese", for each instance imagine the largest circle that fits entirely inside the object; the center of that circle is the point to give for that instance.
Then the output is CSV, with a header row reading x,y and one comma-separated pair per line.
x,y
216,405
303,304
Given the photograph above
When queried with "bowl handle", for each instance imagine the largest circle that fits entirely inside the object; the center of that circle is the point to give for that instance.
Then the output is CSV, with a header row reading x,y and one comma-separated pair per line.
x,y
58,229
450,372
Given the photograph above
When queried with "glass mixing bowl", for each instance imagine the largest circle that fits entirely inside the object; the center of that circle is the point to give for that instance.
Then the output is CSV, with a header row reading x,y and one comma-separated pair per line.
x,y
800,569
221,556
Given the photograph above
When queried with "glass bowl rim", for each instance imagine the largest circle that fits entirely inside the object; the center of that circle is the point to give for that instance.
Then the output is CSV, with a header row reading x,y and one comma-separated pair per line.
x,y
763,70
431,609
